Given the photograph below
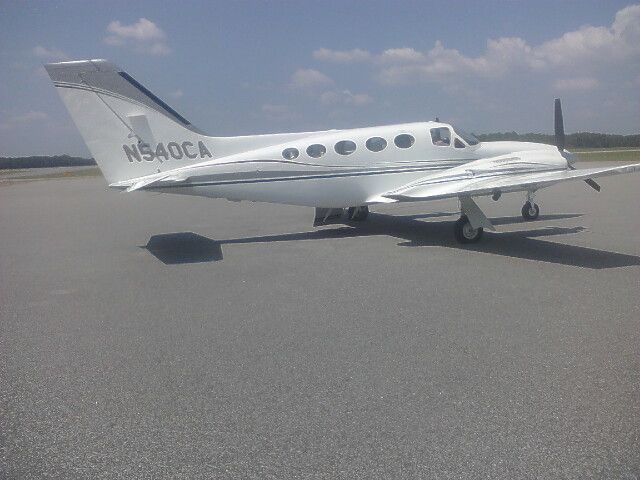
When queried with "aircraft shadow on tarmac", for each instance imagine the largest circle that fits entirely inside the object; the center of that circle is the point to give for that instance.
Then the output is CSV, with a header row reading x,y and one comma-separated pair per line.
x,y
183,247
189,247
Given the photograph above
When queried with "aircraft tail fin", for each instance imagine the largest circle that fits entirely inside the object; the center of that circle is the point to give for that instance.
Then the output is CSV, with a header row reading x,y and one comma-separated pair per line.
x,y
129,131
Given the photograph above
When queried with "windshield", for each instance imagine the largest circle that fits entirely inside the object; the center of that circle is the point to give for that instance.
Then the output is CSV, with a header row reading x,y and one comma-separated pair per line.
x,y
466,136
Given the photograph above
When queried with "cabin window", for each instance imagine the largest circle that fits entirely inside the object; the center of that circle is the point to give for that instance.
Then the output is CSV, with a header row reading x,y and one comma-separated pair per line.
x,y
290,153
441,136
458,143
345,147
404,140
376,144
316,150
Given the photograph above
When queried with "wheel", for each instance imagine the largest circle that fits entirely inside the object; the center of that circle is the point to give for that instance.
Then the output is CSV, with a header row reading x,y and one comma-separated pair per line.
x,y
358,214
530,211
464,232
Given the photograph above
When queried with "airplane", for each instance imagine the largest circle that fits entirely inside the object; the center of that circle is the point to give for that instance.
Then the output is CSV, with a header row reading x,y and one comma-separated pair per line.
x,y
141,143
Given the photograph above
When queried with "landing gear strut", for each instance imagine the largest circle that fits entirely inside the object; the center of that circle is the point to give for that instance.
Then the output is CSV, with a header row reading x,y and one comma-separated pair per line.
x,y
464,232
358,214
530,210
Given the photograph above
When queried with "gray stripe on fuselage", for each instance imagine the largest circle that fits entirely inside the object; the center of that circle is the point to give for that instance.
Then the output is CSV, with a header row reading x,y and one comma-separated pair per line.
x,y
301,177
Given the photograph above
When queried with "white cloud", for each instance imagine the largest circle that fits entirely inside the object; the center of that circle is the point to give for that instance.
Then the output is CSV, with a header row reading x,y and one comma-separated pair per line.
x,y
177,94
49,53
599,44
319,85
440,63
344,56
507,53
143,36
23,119
401,55
586,49
142,30
309,79
576,84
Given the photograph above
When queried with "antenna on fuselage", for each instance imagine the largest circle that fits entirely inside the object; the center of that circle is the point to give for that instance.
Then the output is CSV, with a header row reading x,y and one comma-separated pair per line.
x,y
437,120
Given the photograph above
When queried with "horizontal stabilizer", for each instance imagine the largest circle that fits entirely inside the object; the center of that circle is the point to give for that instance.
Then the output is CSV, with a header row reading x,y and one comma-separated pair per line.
x,y
151,180
142,184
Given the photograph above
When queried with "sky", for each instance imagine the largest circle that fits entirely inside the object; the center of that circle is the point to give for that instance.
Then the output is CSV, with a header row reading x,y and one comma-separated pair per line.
x,y
238,68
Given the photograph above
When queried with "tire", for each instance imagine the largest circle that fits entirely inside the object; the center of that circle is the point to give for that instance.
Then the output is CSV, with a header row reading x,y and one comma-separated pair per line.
x,y
358,214
530,212
464,233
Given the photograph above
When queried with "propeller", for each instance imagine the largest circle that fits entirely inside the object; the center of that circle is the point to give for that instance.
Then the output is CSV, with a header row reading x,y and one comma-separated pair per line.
x,y
558,124
560,141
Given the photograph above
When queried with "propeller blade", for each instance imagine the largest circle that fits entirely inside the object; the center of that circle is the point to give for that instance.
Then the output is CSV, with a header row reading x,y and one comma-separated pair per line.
x,y
593,184
559,125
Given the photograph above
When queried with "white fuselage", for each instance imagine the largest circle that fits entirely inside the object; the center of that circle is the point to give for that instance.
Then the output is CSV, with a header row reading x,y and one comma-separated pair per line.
x,y
333,179
139,142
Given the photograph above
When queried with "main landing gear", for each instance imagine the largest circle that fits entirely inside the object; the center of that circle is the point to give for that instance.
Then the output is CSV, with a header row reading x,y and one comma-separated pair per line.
x,y
530,210
472,222
358,214
329,216
464,232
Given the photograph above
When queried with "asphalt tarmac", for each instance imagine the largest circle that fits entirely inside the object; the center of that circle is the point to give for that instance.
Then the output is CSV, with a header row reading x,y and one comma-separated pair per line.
x,y
158,336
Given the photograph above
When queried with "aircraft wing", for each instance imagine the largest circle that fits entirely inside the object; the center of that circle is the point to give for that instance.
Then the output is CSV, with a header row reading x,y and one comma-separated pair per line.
x,y
485,183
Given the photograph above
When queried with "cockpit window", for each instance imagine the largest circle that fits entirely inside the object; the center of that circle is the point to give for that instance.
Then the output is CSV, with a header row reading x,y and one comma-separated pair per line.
x,y
470,138
458,143
441,136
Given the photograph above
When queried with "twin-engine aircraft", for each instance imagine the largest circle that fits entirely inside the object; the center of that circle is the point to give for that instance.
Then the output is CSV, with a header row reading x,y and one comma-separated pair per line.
x,y
140,143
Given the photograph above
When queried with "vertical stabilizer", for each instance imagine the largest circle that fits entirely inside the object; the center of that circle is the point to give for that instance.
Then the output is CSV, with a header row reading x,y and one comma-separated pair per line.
x,y
129,131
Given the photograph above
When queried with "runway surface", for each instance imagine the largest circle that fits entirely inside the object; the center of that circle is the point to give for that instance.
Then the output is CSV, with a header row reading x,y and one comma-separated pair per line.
x,y
157,336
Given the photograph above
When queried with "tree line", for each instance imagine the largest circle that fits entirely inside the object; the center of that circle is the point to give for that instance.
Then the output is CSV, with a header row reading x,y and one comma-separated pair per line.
x,y
572,140
42,161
